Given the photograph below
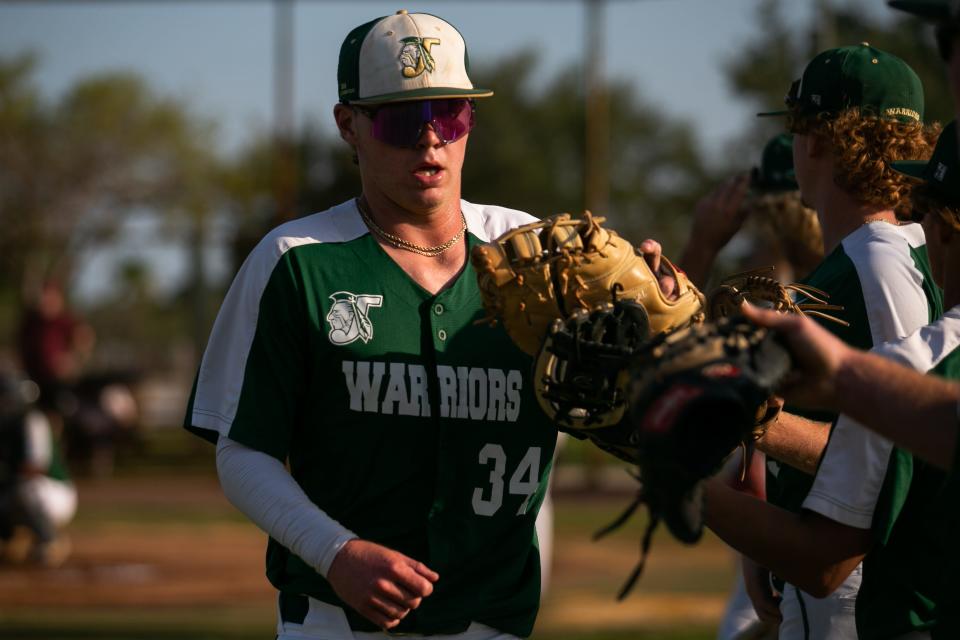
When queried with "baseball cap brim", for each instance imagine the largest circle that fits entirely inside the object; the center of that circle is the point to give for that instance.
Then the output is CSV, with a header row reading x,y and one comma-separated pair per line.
x,y
431,93
911,168
770,114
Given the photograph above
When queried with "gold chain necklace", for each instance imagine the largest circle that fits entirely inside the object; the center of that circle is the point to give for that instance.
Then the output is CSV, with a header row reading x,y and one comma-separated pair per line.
x,y
400,243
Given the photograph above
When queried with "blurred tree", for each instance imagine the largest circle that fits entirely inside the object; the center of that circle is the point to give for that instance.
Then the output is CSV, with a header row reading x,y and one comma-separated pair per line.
x,y
527,152
74,168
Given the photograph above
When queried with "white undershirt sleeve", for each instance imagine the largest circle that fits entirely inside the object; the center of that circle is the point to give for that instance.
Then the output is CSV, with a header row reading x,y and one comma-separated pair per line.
x,y
261,488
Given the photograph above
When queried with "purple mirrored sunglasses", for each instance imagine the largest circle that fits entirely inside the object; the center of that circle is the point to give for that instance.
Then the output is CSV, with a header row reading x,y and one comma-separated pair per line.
x,y
400,124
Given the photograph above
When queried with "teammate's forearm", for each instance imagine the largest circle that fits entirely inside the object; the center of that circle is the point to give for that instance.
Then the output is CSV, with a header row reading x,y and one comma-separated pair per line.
x,y
260,487
805,549
916,411
795,441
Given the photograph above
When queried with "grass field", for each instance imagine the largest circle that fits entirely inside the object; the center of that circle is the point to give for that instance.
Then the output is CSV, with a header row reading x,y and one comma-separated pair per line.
x,y
159,554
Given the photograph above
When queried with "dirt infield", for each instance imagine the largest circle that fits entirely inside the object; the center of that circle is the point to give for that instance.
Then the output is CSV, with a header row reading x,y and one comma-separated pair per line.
x,y
175,542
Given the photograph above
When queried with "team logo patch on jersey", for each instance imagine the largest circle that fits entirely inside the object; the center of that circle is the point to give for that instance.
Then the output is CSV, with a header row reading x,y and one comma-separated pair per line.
x,y
415,56
349,317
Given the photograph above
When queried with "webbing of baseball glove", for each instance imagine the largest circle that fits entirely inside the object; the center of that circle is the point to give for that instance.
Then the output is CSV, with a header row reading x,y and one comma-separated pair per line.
x,y
581,371
759,288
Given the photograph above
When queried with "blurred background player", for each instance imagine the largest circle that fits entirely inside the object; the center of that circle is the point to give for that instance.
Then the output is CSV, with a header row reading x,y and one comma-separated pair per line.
x,y
96,412
54,345
37,498
780,231
783,233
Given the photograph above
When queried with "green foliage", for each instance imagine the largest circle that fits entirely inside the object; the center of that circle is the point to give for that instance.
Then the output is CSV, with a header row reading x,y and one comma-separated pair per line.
x,y
75,167
74,170
762,70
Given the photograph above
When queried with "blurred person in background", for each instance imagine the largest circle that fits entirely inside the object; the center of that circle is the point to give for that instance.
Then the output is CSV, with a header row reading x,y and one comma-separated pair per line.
x,y
95,412
54,345
786,235
37,497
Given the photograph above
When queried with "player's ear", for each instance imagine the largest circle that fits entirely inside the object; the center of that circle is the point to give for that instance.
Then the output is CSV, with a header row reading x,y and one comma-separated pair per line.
x,y
346,118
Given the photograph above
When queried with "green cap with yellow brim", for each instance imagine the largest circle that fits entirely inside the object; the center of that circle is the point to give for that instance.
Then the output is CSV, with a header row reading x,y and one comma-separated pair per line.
x,y
862,77
942,171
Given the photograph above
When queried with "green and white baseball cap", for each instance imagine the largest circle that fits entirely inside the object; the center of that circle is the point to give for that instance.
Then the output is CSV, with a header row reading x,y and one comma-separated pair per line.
x,y
406,56
861,76
934,10
942,171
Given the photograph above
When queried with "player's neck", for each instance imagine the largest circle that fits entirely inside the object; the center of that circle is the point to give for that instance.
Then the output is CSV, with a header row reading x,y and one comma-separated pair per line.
x,y
430,225
429,246
840,215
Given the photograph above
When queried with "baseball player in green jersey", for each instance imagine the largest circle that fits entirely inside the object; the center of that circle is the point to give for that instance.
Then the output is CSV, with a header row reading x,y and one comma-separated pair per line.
x,y
934,348
389,443
858,498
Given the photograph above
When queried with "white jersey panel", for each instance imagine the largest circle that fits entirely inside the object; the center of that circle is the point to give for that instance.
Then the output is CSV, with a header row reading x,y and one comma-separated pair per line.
x,y
220,379
854,465
891,283
926,347
488,222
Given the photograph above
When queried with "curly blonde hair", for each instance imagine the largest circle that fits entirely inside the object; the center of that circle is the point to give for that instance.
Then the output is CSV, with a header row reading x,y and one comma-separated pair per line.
x,y
795,227
864,145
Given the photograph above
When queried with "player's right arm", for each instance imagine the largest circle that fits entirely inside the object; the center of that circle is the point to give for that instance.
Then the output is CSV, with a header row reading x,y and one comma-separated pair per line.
x,y
381,584
249,392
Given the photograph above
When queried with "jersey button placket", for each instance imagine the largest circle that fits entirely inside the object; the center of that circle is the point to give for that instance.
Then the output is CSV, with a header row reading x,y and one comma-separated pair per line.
x,y
437,312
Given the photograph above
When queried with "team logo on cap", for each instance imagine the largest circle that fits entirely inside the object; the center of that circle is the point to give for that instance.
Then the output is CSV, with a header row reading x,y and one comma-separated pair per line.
x,y
349,317
941,172
415,56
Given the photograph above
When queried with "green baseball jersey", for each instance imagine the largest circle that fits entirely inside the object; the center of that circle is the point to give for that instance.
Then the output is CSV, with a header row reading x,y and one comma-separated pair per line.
x,y
400,414
881,276
936,348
